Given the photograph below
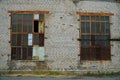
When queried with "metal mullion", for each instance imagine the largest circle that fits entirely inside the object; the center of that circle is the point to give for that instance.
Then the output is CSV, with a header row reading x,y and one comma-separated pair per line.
x,y
110,36
80,34
90,39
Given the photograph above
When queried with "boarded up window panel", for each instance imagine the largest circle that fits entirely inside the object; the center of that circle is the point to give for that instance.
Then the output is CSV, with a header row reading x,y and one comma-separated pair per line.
x,y
25,39
41,27
13,54
36,39
41,40
36,16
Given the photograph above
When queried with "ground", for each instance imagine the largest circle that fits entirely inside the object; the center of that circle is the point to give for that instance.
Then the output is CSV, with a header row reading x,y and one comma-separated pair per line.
x,y
75,78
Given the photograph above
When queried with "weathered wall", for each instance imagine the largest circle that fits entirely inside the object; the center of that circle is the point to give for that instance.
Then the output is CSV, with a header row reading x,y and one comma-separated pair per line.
x,y
61,45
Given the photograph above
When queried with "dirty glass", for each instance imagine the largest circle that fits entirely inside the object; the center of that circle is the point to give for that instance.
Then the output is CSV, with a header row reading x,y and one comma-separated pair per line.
x,y
107,30
103,27
19,26
14,41
14,26
25,39
24,53
97,18
13,53
102,18
41,16
87,17
97,30
85,37
30,26
87,27
93,18
18,53
27,16
82,17
107,18
85,43
85,53
36,39
29,55
19,39
93,27
83,27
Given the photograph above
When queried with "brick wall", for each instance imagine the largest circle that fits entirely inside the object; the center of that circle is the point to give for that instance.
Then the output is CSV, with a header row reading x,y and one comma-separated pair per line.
x,y
61,45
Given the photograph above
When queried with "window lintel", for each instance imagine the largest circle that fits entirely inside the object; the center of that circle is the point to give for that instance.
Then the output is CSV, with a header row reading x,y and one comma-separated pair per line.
x,y
28,12
94,14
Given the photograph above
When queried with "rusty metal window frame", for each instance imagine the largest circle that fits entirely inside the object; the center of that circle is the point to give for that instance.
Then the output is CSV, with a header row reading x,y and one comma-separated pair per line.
x,y
18,46
90,51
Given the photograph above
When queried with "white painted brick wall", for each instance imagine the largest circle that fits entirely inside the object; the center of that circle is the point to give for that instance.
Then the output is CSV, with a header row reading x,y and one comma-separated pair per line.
x,y
62,32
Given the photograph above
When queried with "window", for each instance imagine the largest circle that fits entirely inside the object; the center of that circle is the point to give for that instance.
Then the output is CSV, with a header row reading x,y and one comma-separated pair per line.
x,y
27,30
95,35
117,1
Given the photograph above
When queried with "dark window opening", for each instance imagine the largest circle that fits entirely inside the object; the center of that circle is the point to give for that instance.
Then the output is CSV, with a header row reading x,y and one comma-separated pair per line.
x,y
36,23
